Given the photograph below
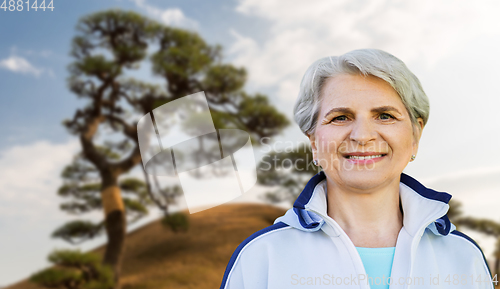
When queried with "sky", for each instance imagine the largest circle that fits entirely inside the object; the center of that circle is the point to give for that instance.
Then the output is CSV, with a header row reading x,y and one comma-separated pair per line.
x,y
451,46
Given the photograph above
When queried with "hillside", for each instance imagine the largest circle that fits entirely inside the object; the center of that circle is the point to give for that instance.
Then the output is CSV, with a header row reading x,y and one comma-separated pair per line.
x,y
156,257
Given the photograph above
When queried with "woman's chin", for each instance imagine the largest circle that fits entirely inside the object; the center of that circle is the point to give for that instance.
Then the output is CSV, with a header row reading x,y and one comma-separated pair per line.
x,y
363,179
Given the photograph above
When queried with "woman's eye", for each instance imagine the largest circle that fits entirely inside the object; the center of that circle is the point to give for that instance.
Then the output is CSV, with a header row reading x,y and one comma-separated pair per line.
x,y
339,118
385,116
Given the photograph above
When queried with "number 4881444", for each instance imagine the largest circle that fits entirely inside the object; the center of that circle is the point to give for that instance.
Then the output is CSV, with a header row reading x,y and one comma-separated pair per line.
x,y
18,5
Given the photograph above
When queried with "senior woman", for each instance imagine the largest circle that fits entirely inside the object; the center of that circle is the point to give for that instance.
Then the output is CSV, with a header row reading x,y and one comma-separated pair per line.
x,y
361,222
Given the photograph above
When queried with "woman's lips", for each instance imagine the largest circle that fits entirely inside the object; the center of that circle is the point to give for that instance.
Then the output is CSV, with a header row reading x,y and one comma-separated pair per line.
x,y
365,158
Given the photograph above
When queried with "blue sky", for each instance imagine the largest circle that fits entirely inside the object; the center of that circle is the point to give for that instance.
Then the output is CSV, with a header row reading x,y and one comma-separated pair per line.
x,y
452,46
35,102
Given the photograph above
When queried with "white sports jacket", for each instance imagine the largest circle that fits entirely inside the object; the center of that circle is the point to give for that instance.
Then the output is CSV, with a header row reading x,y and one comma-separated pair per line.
x,y
306,248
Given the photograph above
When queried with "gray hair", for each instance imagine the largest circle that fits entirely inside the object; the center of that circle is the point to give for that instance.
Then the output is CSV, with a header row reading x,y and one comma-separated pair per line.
x,y
373,62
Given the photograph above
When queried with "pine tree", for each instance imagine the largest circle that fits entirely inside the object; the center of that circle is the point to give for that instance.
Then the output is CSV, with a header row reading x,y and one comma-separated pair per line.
x,y
107,47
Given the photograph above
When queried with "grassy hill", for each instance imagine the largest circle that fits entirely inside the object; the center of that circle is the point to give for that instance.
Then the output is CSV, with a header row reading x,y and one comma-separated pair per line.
x,y
156,257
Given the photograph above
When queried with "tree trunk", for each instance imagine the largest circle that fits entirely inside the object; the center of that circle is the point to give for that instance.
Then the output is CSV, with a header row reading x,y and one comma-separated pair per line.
x,y
116,225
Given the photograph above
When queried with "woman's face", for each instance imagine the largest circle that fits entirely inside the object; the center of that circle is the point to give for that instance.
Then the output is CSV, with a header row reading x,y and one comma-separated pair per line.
x,y
364,137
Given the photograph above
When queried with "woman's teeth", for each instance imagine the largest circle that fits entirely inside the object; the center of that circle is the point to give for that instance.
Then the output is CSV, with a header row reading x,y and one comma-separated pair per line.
x,y
364,157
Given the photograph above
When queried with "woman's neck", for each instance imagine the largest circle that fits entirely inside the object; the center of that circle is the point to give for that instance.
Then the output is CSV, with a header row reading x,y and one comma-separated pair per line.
x,y
370,219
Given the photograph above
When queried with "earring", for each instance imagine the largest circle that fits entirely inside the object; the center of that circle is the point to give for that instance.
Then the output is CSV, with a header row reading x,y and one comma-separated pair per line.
x,y
315,162
412,158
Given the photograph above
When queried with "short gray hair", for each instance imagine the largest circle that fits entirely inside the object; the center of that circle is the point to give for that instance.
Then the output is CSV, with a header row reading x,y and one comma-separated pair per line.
x,y
373,62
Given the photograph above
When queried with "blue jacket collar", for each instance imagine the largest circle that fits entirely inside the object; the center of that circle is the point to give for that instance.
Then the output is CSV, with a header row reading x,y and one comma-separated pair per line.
x,y
411,191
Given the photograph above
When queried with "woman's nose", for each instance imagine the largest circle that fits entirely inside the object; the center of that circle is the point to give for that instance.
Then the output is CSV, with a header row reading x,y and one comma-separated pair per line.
x,y
362,131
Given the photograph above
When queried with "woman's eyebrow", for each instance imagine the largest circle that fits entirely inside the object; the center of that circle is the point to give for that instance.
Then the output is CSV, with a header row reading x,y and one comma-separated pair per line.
x,y
385,108
347,110
339,109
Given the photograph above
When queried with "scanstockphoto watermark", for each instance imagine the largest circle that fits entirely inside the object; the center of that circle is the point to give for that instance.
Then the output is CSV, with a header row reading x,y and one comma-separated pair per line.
x,y
335,280
179,140
324,146
213,166
269,162
431,280
329,155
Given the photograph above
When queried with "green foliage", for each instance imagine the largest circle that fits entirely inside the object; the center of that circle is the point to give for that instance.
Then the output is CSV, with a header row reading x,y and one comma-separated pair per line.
x,y
57,278
455,211
182,58
78,170
261,117
96,65
74,270
485,226
177,222
126,33
223,79
288,171
134,209
78,231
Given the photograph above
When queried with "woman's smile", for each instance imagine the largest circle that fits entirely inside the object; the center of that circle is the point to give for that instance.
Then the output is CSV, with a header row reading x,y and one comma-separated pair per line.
x,y
361,158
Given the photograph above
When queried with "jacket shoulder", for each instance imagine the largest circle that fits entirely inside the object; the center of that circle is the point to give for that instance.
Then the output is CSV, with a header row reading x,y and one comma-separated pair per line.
x,y
471,243
255,237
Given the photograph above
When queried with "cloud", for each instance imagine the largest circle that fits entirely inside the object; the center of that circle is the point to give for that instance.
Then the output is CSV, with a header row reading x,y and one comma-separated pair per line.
x,y
176,17
423,32
171,17
450,45
41,53
20,65
30,179
488,172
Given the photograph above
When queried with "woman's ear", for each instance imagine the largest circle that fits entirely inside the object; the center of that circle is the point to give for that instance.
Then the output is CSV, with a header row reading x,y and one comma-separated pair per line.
x,y
417,133
420,122
312,140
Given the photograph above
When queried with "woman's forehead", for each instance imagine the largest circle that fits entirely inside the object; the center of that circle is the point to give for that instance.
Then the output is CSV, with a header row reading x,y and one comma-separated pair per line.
x,y
357,91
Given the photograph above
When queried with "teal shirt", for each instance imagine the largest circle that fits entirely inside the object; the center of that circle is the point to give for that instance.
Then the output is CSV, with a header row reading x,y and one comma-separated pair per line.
x,y
377,263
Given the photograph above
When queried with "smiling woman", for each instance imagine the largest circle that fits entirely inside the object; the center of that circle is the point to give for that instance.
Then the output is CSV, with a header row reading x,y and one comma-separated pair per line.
x,y
364,135
361,222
